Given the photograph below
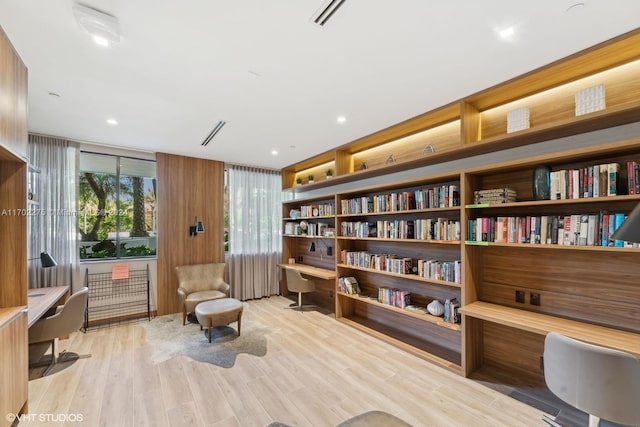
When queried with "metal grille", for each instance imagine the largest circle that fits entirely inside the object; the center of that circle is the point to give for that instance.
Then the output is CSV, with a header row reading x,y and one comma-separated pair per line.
x,y
116,301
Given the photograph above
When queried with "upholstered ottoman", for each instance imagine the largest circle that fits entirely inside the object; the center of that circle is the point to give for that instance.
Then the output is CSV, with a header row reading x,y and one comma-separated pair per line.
x,y
219,312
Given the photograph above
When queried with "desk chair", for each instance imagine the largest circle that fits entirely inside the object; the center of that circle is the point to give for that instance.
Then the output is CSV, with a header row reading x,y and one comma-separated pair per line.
x,y
297,283
67,319
600,381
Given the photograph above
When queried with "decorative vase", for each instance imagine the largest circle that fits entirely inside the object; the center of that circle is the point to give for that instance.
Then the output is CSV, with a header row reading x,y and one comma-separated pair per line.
x,y
542,183
435,308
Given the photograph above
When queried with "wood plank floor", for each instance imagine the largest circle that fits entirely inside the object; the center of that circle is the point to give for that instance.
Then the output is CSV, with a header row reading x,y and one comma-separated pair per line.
x,y
317,372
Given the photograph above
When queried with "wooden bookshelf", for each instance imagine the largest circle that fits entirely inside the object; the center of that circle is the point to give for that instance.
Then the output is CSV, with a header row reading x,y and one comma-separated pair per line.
x,y
13,233
587,292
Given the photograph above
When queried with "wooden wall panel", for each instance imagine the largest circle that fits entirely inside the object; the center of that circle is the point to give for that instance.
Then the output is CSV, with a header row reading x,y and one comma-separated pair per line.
x,y
14,359
513,351
13,99
187,188
570,285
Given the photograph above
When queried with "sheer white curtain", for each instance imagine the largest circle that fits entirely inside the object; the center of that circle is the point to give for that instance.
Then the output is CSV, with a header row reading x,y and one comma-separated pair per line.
x,y
255,219
52,219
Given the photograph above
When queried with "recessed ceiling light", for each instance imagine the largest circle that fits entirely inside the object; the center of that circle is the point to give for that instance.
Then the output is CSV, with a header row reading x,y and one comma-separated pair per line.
x,y
112,122
274,152
101,41
507,33
341,119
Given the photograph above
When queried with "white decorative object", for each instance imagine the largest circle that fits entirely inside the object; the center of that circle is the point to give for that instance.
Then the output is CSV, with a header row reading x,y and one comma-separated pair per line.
x,y
590,99
518,119
435,308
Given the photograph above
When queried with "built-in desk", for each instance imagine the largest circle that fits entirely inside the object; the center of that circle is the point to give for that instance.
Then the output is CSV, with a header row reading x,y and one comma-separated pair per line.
x,y
309,270
542,324
40,300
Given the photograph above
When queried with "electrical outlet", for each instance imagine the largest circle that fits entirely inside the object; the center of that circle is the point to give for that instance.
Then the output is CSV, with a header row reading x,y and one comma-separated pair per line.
x,y
520,296
534,298
300,258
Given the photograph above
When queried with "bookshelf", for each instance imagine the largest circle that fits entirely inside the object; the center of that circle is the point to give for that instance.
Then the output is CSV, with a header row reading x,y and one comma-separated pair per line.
x,y
587,285
308,238
381,243
14,355
512,292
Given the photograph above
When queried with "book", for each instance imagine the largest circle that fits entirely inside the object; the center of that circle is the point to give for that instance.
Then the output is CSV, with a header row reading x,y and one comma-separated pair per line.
x,y
619,219
612,183
584,230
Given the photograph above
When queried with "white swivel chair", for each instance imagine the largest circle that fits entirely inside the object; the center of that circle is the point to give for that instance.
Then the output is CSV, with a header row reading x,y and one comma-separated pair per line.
x,y
297,283
600,381
67,319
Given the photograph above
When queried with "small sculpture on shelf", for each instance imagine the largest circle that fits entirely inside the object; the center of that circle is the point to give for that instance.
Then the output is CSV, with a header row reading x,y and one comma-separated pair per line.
x,y
311,179
298,181
435,308
363,166
329,173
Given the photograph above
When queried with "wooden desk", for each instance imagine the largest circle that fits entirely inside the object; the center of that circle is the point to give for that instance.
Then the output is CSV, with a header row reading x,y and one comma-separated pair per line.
x,y
309,270
542,324
42,299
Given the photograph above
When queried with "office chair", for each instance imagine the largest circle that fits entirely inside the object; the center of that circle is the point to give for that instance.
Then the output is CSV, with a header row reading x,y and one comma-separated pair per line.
x,y
68,318
600,381
297,283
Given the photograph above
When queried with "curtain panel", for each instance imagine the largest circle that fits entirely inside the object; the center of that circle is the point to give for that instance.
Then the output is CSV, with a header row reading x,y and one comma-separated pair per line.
x,y
51,224
255,219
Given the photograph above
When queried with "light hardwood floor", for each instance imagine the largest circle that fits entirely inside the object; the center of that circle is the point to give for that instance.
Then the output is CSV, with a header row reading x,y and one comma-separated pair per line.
x,y
317,372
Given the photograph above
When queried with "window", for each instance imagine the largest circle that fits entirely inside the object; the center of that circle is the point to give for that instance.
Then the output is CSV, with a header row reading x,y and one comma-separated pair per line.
x,y
117,207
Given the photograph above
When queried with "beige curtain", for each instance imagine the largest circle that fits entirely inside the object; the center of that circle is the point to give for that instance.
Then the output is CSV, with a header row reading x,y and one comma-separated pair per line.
x,y
52,210
255,217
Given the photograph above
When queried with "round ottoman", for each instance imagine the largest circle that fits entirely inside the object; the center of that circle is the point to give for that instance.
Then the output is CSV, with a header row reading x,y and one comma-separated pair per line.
x,y
219,312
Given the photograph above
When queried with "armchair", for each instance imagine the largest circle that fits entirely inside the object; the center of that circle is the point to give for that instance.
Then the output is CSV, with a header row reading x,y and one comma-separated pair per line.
x,y
198,283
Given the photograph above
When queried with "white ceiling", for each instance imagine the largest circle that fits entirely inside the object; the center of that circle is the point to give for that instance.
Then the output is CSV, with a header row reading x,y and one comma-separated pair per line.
x,y
277,79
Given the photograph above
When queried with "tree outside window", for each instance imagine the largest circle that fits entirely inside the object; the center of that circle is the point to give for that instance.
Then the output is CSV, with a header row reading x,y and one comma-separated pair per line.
x,y
117,207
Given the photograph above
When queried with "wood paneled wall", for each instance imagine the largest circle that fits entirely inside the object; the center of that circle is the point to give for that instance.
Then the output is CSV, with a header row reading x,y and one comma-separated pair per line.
x,y
13,99
187,188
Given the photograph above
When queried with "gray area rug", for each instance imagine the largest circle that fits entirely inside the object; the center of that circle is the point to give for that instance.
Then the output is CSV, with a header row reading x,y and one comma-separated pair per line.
x,y
170,339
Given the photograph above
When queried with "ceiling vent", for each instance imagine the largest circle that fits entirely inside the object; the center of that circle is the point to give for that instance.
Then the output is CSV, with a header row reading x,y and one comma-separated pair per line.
x,y
326,11
213,133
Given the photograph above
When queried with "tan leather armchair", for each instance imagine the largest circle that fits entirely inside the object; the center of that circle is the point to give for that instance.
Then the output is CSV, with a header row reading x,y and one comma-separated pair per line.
x,y
67,319
198,283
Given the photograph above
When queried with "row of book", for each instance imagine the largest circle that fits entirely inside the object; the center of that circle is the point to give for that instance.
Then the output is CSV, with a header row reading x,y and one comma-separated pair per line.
x,y
348,285
591,181
395,297
633,177
570,230
320,209
419,229
451,314
435,197
382,262
449,271
495,196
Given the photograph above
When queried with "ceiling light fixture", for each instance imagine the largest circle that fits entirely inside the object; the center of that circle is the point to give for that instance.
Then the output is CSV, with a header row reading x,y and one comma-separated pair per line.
x,y
341,119
112,122
104,28
507,33
274,152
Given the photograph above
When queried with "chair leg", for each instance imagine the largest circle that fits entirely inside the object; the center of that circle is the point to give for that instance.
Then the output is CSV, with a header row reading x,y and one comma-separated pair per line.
x,y
239,322
299,299
184,315
594,421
